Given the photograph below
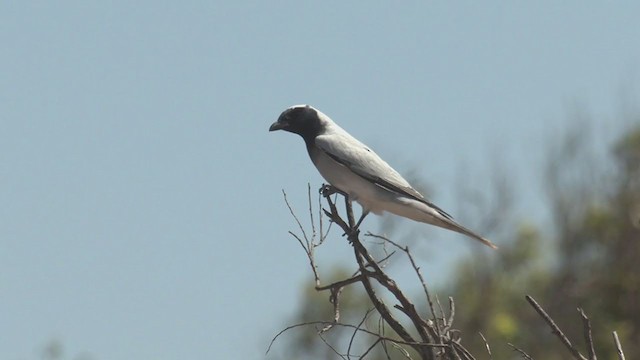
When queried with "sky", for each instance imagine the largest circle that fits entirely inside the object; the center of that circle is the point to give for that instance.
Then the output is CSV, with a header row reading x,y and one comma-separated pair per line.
x,y
141,209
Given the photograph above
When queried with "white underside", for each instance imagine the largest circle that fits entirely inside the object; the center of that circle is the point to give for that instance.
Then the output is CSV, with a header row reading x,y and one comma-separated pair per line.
x,y
369,195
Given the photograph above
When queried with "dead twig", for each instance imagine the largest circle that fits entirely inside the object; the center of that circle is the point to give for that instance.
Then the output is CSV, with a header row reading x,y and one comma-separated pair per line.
x,y
486,345
522,353
350,326
355,331
588,338
616,340
308,244
555,329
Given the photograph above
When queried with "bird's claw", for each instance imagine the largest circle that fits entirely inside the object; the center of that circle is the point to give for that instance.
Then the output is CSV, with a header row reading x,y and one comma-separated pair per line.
x,y
353,234
327,190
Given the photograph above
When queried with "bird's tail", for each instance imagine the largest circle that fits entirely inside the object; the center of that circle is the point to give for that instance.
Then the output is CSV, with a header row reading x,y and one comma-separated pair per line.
x,y
452,225
423,211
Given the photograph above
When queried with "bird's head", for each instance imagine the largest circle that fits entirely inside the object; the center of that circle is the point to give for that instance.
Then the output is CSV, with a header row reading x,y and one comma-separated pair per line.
x,y
303,120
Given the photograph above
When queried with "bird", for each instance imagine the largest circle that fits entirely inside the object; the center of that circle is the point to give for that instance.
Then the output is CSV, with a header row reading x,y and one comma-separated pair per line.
x,y
357,171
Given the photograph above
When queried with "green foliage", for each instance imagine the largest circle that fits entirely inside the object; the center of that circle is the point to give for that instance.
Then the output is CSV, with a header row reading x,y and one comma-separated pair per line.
x,y
590,260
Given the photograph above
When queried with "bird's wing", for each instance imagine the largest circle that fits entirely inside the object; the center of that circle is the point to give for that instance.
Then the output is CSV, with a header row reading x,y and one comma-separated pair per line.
x,y
364,162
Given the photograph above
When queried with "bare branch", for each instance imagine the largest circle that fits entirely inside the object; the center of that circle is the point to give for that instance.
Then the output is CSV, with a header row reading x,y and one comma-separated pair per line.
x,y
618,346
486,344
341,283
350,326
460,350
437,339
304,234
308,244
313,224
402,350
452,314
437,334
522,353
355,331
361,252
335,351
370,348
587,334
555,329
381,331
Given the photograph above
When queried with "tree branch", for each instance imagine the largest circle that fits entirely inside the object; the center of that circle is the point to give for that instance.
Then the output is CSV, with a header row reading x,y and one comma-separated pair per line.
x,y
555,329
587,334
618,346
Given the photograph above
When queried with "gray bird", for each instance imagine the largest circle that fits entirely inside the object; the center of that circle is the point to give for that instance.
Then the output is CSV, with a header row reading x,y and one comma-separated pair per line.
x,y
356,170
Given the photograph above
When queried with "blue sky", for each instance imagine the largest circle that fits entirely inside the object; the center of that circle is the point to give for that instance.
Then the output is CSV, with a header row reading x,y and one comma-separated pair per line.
x,y
141,214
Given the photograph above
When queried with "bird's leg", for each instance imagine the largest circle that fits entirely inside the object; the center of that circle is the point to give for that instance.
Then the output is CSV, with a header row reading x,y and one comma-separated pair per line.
x,y
364,215
348,204
328,190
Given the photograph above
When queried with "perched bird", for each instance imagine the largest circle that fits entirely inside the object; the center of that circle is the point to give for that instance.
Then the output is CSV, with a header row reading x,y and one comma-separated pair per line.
x,y
356,170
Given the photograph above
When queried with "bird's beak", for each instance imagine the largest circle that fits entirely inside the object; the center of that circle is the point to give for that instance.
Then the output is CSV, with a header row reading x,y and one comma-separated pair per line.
x,y
278,125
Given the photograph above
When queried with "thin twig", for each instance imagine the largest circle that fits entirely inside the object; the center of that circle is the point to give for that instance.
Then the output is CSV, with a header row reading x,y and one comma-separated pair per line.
x,y
389,284
405,249
426,292
350,326
460,350
486,344
555,329
378,340
341,283
452,314
618,346
334,299
379,305
308,250
402,350
307,245
442,315
588,338
313,225
294,215
381,331
355,331
335,351
522,353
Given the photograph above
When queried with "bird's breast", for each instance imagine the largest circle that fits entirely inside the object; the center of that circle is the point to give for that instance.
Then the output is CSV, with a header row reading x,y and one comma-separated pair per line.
x,y
366,193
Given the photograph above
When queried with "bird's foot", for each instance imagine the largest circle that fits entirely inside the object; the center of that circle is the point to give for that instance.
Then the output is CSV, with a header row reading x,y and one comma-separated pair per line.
x,y
352,235
328,190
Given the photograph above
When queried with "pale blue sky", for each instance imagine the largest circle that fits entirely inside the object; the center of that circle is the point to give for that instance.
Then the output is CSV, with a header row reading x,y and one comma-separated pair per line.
x,y
140,207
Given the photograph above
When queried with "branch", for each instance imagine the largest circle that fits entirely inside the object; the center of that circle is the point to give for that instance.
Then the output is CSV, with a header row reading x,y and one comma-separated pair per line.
x,y
358,250
437,339
587,334
350,326
365,260
341,283
618,346
486,345
308,245
355,331
522,353
407,307
555,329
